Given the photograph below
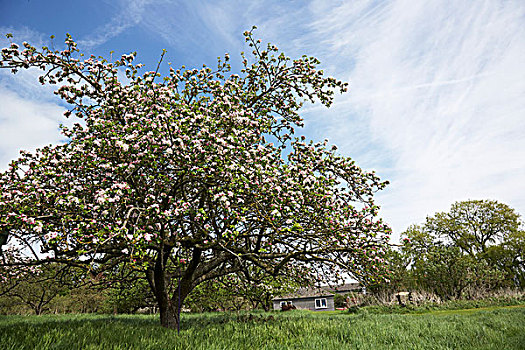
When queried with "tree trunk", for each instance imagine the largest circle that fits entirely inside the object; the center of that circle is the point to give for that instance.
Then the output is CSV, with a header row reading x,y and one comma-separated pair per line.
x,y
169,315
169,307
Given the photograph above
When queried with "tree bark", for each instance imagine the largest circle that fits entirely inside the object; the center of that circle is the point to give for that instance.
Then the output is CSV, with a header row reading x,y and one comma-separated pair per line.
x,y
38,310
169,317
169,307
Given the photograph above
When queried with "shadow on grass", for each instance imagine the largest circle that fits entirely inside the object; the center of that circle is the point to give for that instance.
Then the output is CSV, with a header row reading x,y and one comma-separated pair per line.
x,y
71,322
99,331
491,329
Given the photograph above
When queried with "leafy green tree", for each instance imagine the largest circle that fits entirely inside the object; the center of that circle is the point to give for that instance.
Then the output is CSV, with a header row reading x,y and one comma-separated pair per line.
x,y
509,257
474,225
472,247
190,177
447,272
218,295
258,289
515,246
400,260
126,290
86,298
486,230
397,277
36,286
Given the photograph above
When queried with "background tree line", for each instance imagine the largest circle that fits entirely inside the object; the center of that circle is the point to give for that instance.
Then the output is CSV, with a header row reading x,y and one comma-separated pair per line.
x,y
54,289
471,251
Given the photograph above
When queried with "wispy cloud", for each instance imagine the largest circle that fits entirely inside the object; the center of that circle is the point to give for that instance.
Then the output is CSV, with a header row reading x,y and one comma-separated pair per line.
x,y
198,29
26,125
209,28
128,13
440,88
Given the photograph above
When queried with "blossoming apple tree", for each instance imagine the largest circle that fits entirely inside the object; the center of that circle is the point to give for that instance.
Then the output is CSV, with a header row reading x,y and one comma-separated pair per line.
x,y
189,177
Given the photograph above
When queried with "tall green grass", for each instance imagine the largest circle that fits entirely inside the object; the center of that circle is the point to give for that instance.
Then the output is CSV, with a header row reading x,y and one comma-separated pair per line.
x,y
448,305
502,328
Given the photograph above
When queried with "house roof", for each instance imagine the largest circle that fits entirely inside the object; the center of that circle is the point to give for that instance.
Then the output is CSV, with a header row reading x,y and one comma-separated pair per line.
x,y
344,288
323,291
306,292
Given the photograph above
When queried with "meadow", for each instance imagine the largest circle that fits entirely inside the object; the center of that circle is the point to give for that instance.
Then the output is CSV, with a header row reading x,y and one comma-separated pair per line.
x,y
487,328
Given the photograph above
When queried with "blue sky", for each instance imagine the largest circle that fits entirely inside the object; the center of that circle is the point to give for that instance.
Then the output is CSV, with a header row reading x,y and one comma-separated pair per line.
x,y
437,88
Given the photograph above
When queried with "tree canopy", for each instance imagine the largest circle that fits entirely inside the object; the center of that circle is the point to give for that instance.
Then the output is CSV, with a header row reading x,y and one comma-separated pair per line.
x,y
473,225
190,176
474,249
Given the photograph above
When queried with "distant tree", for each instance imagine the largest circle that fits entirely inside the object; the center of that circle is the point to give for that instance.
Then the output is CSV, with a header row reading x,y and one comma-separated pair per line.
x,y
214,295
237,292
416,240
400,259
447,272
126,291
340,301
509,257
474,225
191,177
261,292
35,286
86,298
475,246
260,288
486,230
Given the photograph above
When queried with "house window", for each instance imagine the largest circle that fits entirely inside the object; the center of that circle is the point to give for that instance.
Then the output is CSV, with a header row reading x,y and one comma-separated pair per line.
x,y
320,303
287,305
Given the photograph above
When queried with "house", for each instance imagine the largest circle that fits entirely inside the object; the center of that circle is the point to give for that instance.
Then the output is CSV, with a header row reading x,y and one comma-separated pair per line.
x,y
316,298
312,298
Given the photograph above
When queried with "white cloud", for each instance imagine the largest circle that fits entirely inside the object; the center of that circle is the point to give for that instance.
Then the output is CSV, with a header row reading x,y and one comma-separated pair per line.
x,y
441,88
129,13
26,125
30,114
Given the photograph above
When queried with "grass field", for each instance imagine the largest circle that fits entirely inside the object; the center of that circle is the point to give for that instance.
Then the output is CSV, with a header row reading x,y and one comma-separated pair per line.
x,y
490,328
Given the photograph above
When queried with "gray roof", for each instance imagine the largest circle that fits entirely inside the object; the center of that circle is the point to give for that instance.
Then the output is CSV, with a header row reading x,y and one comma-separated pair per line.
x,y
323,291
344,288
306,292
